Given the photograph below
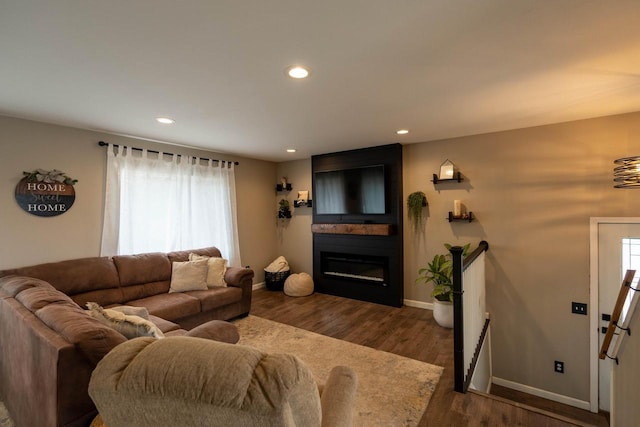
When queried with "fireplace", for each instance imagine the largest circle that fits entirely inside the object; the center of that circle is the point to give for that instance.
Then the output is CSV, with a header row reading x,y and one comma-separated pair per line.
x,y
365,269
357,253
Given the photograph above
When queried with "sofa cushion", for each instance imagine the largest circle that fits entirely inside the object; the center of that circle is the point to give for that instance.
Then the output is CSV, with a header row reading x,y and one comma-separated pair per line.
x,y
180,256
101,296
169,306
13,285
130,326
189,276
142,268
37,297
164,325
144,290
93,339
217,297
75,276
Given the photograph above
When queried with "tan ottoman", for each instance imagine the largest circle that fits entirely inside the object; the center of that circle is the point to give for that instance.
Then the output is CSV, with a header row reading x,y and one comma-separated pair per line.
x,y
298,285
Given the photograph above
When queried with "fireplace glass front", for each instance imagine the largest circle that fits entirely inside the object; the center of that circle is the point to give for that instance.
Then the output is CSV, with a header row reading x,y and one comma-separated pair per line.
x,y
369,269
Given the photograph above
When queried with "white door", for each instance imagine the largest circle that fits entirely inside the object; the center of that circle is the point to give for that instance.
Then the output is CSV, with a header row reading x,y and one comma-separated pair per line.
x,y
615,248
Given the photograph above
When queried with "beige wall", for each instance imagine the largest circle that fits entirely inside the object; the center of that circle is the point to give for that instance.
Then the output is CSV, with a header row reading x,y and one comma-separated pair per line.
x,y
28,239
295,240
533,192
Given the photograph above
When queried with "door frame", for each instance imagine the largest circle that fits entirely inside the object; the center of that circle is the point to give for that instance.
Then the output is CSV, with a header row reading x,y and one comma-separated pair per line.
x,y
593,300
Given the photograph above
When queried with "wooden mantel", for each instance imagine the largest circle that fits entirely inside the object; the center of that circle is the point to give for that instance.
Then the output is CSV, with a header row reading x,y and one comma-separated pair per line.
x,y
360,229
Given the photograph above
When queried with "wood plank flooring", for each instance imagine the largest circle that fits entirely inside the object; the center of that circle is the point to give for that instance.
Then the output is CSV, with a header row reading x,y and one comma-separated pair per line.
x,y
409,332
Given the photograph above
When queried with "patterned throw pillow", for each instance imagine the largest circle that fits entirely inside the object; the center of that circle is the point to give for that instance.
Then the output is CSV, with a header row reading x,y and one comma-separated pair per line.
x,y
128,325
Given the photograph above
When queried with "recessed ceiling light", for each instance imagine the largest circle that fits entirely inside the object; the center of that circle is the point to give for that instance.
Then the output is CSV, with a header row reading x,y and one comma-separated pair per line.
x,y
298,72
402,132
165,120
291,150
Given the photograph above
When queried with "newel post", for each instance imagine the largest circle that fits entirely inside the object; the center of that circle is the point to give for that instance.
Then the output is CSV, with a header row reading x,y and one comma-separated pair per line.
x,y
458,333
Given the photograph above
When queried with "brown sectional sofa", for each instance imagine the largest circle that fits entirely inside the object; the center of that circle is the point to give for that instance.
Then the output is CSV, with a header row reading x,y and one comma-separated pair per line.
x,y
50,345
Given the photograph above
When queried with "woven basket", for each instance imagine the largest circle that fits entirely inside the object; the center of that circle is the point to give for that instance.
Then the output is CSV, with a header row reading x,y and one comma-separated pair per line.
x,y
275,281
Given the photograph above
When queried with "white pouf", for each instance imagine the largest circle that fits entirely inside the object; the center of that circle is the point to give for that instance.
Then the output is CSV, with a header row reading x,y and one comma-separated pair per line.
x,y
298,285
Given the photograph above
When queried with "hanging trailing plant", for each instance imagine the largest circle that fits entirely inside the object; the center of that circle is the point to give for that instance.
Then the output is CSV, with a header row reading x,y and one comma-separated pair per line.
x,y
415,202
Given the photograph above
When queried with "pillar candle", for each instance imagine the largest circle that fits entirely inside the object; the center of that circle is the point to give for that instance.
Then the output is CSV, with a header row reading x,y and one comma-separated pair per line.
x,y
457,210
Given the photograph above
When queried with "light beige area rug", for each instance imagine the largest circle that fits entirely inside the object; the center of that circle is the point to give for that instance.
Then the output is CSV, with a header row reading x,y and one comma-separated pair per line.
x,y
392,390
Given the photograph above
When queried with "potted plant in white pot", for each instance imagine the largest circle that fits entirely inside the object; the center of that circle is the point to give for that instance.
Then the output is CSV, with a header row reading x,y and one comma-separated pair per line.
x,y
439,272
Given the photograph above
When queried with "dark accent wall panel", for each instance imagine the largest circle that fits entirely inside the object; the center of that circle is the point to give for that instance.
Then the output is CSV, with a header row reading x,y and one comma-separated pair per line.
x,y
391,246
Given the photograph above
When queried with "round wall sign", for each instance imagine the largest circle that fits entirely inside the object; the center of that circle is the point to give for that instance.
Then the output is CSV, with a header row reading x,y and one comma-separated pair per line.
x,y
45,193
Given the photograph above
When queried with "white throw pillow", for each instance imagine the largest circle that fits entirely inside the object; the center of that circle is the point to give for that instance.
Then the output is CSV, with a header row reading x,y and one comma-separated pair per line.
x,y
128,325
189,276
216,269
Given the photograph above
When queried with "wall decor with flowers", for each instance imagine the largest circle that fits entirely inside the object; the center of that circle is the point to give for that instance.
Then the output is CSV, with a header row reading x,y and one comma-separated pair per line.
x,y
45,193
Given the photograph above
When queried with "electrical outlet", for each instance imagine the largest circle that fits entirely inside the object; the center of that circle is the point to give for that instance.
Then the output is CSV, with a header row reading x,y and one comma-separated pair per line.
x,y
558,367
579,308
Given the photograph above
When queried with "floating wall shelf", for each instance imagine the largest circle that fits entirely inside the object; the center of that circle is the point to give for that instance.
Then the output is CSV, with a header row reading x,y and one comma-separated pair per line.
x,y
299,204
457,177
280,187
468,218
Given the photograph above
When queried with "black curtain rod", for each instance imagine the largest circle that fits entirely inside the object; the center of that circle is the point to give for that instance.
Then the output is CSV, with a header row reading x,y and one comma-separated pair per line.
x,y
105,144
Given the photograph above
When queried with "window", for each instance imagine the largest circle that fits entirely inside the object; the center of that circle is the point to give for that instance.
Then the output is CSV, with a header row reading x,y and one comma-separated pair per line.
x,y
630,261
158,205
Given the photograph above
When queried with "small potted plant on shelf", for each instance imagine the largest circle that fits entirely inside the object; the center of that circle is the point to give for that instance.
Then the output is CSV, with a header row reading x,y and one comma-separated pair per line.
x,y
439,272
415,202
283,211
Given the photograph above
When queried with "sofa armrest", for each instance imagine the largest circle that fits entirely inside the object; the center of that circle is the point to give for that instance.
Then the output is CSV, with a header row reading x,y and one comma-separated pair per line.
x,y
241,278
338,397
236,276
216,330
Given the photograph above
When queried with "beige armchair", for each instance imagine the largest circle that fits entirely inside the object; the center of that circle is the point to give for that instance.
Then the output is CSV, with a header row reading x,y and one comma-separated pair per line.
x,y
189,381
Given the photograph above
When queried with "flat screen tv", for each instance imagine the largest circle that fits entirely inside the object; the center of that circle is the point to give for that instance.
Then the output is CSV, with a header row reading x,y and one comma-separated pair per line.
x,y
357,191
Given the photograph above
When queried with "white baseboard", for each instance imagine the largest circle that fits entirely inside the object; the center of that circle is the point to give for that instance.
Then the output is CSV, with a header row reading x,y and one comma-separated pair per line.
x,y
582,404
419,304
258,286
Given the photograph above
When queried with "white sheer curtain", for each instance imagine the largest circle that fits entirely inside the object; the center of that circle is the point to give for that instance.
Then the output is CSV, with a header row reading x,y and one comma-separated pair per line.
x,y
154,205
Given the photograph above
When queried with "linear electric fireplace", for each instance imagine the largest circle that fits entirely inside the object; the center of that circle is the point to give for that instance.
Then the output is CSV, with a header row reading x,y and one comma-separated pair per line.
x,y
366,269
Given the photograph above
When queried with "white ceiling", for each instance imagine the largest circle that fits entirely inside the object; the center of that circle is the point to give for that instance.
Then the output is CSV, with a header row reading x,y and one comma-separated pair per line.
x,y
441,68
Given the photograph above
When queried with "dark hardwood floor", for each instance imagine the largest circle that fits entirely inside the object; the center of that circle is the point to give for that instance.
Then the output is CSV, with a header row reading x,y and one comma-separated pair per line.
x,y
412,332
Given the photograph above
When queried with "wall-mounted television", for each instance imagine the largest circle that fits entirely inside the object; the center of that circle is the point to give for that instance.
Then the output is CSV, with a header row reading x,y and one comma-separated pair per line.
x,y
356,191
